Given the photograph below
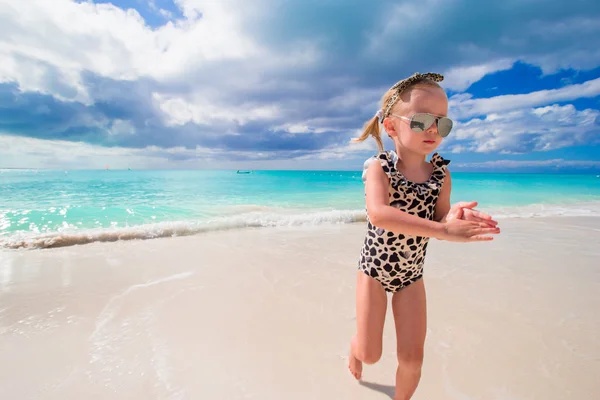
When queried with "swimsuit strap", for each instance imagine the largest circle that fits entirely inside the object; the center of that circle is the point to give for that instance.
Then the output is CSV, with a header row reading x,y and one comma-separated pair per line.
x,y
388,160
439,161
439,168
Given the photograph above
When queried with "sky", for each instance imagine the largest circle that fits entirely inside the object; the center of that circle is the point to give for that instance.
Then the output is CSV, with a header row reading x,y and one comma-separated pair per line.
x,y
285,84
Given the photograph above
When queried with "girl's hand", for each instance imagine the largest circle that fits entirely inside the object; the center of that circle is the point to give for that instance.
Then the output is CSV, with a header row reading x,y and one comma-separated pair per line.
x,y
460,230
465,211
478,216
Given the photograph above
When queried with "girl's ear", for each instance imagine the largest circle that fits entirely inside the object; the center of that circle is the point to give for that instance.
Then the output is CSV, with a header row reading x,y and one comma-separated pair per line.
x,y
389,127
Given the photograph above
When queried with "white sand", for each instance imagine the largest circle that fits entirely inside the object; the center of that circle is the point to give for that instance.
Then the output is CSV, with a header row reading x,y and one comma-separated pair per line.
x,y
268,314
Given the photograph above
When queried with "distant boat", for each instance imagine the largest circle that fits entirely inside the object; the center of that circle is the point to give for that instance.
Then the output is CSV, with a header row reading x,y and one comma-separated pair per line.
x,y
243,172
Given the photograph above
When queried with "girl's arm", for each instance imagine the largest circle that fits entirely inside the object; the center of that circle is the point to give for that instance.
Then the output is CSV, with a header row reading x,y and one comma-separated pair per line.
x,y
382,215
442,206
461,210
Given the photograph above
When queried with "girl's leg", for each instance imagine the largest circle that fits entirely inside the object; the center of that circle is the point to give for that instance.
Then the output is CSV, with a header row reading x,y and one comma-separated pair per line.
x,y
371,305
410,316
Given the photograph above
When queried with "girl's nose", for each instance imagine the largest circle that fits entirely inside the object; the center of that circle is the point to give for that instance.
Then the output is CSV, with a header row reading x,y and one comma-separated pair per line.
x,y
433,128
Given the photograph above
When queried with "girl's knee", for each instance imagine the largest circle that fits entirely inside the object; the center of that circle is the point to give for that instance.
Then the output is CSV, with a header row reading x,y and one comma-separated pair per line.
x,y
411,358
370,357
368,354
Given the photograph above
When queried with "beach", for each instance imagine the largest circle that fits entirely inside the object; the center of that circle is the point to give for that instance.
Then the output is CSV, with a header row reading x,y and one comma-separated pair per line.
x,y
183,199
267,313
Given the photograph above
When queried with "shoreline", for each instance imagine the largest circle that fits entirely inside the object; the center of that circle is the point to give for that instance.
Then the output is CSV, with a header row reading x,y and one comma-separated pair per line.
x,y
267,218
268,313
359,170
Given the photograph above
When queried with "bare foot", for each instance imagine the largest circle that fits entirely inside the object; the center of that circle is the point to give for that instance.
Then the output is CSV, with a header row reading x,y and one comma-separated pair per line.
x,y
355,367
354,364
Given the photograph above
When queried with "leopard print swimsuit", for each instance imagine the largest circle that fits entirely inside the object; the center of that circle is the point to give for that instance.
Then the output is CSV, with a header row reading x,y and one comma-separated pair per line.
x,y
394,259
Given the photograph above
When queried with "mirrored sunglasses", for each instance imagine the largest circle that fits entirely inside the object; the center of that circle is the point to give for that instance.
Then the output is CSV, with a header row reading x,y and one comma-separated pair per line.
x,y
420,122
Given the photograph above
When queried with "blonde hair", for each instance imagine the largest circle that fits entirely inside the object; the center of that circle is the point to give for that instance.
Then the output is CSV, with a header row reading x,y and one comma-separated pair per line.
x,y
392,96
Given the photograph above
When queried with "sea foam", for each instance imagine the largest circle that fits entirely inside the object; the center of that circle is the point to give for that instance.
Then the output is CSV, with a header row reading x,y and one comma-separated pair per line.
x,y
179,228
266,217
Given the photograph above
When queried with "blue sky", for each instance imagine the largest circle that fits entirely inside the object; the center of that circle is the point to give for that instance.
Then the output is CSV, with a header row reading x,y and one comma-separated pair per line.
x,y
286,84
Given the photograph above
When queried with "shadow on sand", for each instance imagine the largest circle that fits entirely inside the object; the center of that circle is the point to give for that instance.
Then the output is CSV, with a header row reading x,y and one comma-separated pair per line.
x,y
385,389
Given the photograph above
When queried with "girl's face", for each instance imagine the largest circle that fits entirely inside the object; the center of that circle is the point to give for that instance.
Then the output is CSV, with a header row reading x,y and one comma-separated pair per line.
x,y
420,99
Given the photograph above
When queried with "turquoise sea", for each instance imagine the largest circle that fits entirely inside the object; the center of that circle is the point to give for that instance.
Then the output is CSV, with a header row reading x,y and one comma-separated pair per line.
x,y
42,208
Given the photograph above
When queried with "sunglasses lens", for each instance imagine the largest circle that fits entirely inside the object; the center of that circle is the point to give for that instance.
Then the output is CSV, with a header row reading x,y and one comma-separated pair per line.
x,y
421,122
444,126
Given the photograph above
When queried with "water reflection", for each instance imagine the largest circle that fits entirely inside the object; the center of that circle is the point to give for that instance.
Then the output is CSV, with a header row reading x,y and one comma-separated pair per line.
x,y
6,272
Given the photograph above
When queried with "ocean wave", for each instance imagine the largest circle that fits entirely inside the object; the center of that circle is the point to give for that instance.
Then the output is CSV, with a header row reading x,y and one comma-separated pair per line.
x,y
580,209
178,228
259,217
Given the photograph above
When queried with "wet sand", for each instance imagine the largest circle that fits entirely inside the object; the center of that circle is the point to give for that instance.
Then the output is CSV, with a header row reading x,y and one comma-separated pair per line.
x,y
268,314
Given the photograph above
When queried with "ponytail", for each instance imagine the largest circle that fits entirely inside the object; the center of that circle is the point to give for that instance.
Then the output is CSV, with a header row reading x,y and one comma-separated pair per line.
x,y
371,128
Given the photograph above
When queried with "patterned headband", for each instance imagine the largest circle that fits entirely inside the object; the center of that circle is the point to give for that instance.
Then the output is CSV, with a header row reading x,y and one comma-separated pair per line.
x,y
402,85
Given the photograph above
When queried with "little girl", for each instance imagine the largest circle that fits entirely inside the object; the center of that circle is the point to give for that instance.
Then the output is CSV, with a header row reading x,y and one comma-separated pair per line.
x,y
407,201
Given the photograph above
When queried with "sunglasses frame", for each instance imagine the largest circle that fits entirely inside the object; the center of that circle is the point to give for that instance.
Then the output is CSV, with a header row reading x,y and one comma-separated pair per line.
x,y
436,119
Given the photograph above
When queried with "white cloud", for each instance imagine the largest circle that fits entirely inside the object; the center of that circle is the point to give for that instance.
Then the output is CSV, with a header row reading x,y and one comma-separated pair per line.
x,y
452,36
402,20
461,77
178,111
160,11
514,164
571,34
22,152
31,153
529,129
64,37
463,106
300,128
232,62
121,127
165,13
